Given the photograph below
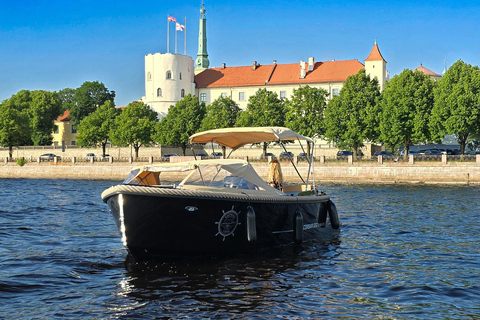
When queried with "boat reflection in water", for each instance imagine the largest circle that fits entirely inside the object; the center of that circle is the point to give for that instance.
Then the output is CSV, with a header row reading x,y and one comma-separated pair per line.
x,y
221,207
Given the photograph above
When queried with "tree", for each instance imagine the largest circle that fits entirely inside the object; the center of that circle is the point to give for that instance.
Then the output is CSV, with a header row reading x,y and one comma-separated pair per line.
x,y
45,107
457,104
352,116
88,97
221,113
134,126
264,109
14,126
406,103
183,120
67,98
305,111
95,129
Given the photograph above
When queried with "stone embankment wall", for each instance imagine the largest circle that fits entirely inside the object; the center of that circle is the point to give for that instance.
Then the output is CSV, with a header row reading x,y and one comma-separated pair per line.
x,y
325,172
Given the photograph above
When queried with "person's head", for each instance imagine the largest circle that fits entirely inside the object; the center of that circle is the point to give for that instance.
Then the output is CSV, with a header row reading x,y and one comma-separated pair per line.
x,y
275,172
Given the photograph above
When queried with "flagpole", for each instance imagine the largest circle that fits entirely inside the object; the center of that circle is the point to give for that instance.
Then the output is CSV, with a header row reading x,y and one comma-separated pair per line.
x,y
168,36
176,38
185,35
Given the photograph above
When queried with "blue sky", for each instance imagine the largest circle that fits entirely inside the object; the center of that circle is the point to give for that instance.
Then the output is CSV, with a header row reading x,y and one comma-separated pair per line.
x,y
52,44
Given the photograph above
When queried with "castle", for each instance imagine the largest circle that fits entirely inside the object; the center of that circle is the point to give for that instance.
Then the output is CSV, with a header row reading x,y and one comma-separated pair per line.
x,y
169,77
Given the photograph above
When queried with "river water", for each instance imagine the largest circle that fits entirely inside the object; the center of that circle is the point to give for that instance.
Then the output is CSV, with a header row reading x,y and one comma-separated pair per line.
x,y
403,252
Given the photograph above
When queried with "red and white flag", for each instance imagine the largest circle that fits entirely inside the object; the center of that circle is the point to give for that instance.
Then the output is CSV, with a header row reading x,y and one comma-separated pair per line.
x,y
180,27
172,19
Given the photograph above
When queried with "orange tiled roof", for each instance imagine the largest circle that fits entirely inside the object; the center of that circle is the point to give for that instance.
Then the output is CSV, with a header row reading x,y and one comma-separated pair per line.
x,y
330,71
375,54
65,116
427,72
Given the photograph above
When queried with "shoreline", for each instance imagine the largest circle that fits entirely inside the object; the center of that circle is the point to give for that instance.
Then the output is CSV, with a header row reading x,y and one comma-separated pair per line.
x,y
338,173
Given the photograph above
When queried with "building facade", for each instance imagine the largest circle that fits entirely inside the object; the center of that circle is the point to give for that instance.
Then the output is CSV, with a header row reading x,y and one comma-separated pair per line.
x,y
66,133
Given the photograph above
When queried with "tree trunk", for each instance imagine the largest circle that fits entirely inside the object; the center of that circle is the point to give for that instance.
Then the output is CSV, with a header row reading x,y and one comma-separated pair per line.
x,y
462,141
10,152
136,147
184,149
104,146
309,150
265,144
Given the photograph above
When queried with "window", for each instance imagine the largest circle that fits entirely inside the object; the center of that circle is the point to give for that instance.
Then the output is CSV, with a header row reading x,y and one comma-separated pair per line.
x,y
224,94
74,128
283,94
159,92
182,93
335,92
74,143
180,76
169,75
149,76
241,96
56,130
55,143
203,97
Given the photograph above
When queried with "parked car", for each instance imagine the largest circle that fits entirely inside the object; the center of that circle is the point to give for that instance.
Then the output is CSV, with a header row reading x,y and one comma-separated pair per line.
x,y
286,155
49,157
344,154
90,156
415,153
382,153
472,153
217,155
268,154
166,157
302,156
433,152
201,155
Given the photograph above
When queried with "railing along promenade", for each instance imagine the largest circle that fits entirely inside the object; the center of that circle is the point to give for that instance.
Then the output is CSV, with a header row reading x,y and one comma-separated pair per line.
x,y
442,169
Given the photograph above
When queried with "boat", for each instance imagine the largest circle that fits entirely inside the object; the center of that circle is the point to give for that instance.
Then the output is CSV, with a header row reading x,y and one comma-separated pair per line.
x,y
218,206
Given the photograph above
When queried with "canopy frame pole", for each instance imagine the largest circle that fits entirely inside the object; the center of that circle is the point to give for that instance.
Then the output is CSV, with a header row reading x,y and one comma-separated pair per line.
x,y
291,160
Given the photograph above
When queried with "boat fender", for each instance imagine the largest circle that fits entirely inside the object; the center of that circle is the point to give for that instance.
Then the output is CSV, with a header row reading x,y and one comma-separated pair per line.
x,y
333,215
298,227
322,214
251,225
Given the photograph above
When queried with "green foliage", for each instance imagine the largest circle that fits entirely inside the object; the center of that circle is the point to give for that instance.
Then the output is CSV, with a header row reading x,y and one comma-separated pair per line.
x,y
263,109
352,116
406,104
183,120
134,126
67,98
457,104
221,113
14,126
88,97
95,129
305,111
21,161
45,107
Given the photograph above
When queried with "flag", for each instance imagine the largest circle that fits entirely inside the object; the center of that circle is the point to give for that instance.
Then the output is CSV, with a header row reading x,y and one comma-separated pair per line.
x,y
172,19
179,27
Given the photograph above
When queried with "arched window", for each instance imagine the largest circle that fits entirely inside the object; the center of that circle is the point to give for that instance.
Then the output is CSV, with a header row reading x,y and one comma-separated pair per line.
x,y
169,74
159,92
182,93
180,76
149,76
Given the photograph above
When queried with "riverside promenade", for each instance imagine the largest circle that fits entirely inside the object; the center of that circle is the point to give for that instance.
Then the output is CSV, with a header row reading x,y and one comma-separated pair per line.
x,y
344,172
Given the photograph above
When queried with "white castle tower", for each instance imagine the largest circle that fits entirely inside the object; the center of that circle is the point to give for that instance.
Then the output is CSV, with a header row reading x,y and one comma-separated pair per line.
x,y
376,66
168,78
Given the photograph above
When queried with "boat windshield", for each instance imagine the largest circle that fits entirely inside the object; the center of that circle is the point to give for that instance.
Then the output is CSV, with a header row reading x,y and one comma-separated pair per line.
x,y
216,176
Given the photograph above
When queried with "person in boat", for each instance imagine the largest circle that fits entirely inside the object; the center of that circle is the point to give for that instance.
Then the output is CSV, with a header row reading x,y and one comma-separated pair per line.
x,y
275,178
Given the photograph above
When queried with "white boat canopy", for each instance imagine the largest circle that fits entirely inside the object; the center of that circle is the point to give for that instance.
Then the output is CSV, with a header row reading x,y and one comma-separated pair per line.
x,y
235,138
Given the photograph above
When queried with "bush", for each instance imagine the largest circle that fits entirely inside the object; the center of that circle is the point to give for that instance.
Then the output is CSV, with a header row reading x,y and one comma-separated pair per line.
x,y
21,161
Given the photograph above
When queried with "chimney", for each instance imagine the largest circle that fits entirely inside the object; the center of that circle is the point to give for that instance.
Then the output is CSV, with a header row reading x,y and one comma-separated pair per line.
x,y
302,69
311,63
224,65
255,65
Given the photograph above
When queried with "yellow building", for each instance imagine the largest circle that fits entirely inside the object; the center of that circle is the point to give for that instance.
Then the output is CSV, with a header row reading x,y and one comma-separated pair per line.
x,y
66,132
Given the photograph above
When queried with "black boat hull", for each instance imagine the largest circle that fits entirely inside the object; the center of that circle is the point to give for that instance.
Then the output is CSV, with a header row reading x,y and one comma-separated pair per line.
x,y
156,225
